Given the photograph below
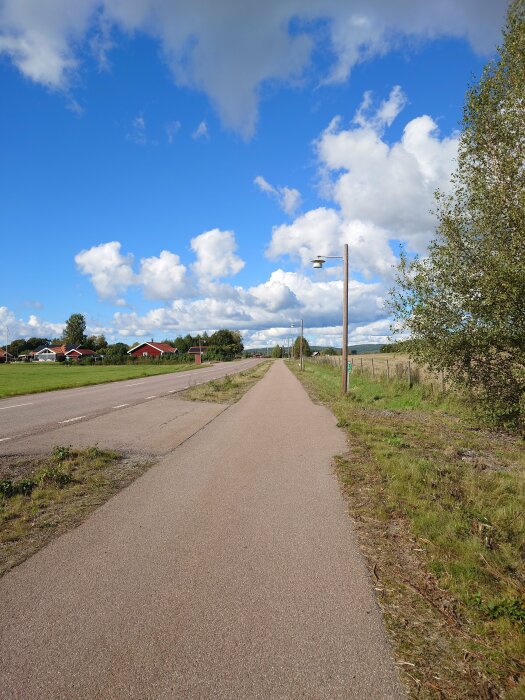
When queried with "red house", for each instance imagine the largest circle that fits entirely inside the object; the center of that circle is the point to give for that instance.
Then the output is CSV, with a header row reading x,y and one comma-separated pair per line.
x,y
78,353
152,350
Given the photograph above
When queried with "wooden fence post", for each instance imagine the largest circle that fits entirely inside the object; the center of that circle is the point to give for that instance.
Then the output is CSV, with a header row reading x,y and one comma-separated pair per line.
x,y
373,370
409,375
387,370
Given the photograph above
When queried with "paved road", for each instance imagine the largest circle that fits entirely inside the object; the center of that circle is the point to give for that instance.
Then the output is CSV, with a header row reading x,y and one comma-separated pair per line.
x,y
25,416
229,570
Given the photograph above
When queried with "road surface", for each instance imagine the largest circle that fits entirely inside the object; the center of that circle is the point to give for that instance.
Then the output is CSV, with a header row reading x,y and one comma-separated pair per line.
x,y
229,570
23,417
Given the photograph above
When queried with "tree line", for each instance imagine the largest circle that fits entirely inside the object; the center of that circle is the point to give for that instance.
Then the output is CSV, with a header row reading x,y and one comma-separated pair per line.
x,y
223,344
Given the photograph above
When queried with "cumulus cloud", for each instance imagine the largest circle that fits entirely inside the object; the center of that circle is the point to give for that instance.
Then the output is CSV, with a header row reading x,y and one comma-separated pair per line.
x,y
268,309
163,277
215,251
110,271
289,199
205,48
390,186
32,327
382,193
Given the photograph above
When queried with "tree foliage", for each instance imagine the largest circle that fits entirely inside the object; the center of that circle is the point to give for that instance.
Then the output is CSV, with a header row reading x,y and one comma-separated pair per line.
x,y
463,304
277,351
224,345
75,330
297,348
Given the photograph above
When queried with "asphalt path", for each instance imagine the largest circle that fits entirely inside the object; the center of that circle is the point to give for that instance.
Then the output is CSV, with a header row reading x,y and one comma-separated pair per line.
x,y
25,416
228,570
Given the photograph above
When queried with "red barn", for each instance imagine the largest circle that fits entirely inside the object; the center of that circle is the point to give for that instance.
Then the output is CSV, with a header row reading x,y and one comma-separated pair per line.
x,y
152,350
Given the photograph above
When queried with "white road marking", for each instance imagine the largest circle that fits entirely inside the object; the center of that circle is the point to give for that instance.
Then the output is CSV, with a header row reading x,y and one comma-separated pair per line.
x,y
151,397
17,405
4,439
136,384
70,420
121,405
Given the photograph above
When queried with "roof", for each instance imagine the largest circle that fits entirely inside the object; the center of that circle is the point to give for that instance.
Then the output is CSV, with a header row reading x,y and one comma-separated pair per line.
x,y
195,349
57,349
3,353
162,347
81,350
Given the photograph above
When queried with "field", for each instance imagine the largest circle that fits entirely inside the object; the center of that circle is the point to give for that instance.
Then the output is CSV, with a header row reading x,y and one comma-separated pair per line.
x,y
439,504
22,378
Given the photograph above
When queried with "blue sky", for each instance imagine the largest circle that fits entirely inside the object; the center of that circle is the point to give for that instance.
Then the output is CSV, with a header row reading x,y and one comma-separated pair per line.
x,y
168,170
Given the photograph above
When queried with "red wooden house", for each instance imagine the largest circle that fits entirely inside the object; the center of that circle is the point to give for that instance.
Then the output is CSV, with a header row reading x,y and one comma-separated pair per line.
x,y
152,350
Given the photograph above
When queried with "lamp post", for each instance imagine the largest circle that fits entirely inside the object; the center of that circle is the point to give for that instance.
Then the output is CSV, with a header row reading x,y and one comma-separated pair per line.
x,y
318,263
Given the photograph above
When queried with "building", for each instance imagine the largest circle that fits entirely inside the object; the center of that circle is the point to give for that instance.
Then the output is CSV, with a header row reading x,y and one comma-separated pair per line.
x,y
5,356
59,353
152,349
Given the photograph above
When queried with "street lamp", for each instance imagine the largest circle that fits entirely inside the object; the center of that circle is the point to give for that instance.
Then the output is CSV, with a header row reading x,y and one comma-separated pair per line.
x,y
318,263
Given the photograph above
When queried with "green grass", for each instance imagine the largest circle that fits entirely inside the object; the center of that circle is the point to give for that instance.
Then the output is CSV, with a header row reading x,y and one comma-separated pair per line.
x,y
440,505
42,497
24,378
229,389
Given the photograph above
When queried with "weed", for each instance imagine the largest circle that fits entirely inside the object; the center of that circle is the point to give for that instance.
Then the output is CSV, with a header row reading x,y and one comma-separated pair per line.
x,y
228,389
49,495
60,453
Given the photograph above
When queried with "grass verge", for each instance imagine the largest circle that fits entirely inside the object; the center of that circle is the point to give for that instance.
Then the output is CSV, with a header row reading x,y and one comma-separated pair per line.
x,y
439,504
229,389
43,497
22,378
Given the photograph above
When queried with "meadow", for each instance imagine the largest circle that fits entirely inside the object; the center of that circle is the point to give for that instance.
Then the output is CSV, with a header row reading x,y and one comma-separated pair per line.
x,y
31,378
439,504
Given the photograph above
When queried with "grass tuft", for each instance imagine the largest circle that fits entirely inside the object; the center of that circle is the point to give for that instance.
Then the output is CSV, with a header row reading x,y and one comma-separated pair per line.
x,y
229,389
43,497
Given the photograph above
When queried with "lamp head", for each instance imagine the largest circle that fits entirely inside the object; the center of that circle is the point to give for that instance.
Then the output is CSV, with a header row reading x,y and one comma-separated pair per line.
x,y
318,262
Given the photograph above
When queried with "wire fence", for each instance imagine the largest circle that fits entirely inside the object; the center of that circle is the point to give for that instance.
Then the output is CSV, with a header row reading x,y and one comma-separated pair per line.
x,y
394,367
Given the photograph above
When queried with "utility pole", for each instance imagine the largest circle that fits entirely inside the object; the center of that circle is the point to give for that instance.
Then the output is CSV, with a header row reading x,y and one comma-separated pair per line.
x,y
344,378
301,361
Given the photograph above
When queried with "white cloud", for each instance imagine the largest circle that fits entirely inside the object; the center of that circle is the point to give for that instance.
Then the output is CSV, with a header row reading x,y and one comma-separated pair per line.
x,y
201,132
163,277
389,186
137,132
266,309
109,270
32,327
317,232
172,128
205,48
383,193
289,199
216,256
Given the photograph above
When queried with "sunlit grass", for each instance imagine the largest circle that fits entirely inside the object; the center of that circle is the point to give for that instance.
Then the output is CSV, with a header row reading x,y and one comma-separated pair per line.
x,y
29,378
441,502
